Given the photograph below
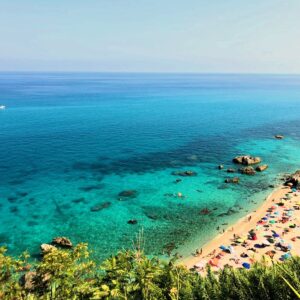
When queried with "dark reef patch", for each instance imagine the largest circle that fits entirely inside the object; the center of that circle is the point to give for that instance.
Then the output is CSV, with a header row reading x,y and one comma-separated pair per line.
x,y
90,188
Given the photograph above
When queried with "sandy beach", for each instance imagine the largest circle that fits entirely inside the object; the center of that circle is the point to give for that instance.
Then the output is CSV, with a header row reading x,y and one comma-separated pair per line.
x,y
271,231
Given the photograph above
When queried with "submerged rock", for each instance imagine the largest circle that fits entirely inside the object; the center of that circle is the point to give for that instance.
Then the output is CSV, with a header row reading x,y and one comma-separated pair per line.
x,y
205,211
248,171
279,137
128,193
63,242
230,170
220,167
232,180
262,168
78,200
184,173
247,160
132,222
100,206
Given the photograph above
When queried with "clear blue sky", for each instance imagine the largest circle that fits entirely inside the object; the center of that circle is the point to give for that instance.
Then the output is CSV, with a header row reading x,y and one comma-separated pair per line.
x,y
150,35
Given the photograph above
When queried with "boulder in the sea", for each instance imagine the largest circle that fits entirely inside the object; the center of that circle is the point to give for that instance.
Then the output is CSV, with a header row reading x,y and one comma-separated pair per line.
x,y
293,180
101,206
220,167
232,180
247,160
132,222
279,137
46,248
262,168
63,242
128,193
178,180
230,170
248,171
184,173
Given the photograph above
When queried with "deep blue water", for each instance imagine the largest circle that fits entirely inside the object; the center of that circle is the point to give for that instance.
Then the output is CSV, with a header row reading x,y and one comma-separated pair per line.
x,y
69,142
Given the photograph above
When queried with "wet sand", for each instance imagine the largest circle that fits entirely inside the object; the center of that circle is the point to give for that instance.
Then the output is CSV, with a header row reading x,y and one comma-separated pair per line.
x,y
270,225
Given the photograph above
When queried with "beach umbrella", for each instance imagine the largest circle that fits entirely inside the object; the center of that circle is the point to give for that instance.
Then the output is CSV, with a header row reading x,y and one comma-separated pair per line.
x,y
275,235
272,221
246,265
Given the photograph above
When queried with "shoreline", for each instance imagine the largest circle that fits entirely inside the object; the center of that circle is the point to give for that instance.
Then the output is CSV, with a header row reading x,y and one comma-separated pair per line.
x,y
242,228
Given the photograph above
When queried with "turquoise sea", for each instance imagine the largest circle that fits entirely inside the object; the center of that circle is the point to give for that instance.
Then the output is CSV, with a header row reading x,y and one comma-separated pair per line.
x,y
70,142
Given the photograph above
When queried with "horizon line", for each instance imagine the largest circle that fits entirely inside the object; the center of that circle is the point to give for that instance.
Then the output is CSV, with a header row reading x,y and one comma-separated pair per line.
x,y
145,72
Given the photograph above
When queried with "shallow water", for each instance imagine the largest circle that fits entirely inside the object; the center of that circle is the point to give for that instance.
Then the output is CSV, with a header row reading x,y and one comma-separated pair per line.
x,y
69,142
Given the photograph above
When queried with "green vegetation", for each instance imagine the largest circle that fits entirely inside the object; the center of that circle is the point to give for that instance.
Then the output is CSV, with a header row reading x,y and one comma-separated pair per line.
x,y
70,274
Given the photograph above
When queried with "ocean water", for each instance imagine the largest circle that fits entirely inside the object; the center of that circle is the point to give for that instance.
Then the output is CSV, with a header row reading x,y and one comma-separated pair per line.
x,y
69,142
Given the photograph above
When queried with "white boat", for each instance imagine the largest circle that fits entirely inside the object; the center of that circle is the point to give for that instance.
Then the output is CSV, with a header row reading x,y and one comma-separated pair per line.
x,y
2,106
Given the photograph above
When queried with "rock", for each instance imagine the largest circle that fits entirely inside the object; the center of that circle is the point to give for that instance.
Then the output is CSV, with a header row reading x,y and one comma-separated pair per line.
x,y
262,168
178,180
279,137
220,167
28,280
46,248
232,180
247,160
128,193
247,171
100,206
132,222
184,173
63,242
205,211
230,170
271,186
293,180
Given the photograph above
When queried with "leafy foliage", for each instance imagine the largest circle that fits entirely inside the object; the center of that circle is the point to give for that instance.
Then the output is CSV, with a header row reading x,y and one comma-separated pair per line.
x,y
70,274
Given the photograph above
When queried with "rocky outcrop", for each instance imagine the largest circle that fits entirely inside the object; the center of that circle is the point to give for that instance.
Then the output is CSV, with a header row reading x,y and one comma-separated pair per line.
x,y
220,167
293,180
62,242
28,280
247,160
261,168
184,173
230,170
232,180
247,171
46,248
279,137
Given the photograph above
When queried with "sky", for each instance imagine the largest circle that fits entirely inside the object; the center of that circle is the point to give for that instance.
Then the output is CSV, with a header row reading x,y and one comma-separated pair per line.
x,y
211,36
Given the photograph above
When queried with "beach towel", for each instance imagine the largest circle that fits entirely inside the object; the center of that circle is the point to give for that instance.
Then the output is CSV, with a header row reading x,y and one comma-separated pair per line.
x,y
246,265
